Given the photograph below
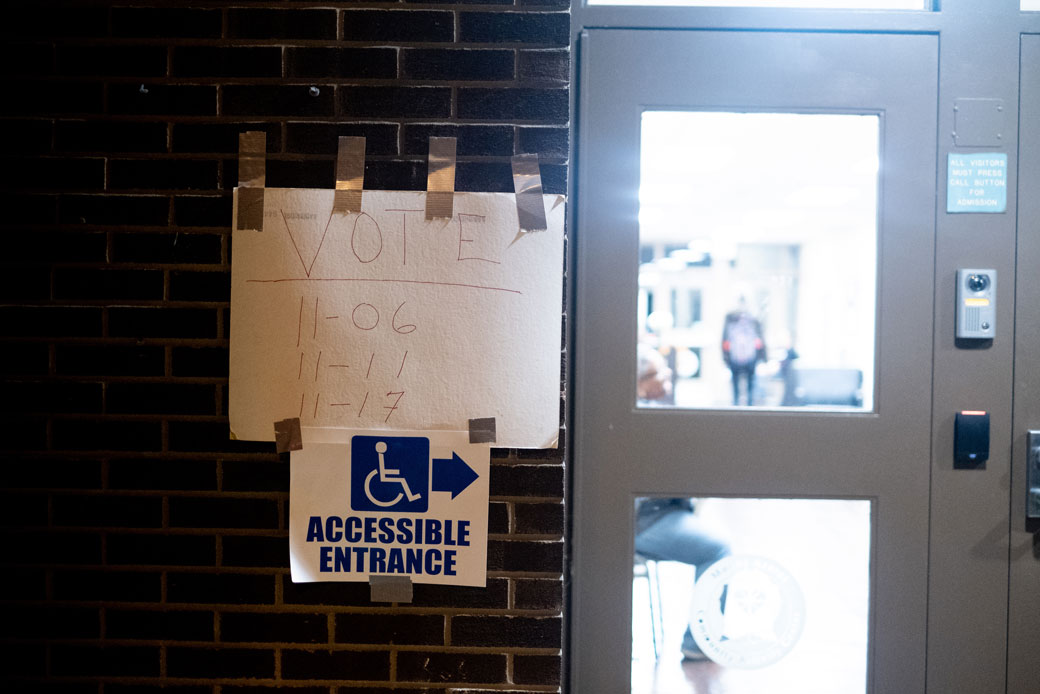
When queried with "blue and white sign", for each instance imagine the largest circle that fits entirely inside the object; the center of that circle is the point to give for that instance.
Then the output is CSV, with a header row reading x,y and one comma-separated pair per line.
x,y
382,503
976,182
378,485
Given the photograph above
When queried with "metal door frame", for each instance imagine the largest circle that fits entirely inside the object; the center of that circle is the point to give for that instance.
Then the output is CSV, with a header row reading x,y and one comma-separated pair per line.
x,y
970,511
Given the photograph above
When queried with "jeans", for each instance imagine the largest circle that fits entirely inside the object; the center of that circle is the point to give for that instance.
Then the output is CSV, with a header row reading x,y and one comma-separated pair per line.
x,y
678,535
747,373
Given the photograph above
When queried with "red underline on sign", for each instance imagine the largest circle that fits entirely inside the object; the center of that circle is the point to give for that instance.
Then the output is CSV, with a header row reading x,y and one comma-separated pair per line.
x,y
362,279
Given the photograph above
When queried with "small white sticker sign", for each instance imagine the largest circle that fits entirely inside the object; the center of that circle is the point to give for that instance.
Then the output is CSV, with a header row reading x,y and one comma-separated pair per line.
x,y
388,503
976,182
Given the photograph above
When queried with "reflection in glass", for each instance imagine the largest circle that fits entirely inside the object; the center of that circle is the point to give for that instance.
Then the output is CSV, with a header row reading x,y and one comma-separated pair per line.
x,y
758,253
750,595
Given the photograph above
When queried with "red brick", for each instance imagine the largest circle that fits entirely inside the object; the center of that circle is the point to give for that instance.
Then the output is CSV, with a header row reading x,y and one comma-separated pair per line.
x,y
537,669
172,248
253,550
37,245
335,665
396,25
92,283
108,360
540,519
546,28
471,140
457,64
527,480
165,474
508,632
270,628
106,434
238,61
89,660
211,512
322,138
220,137
219,663
109,137
281,24
166,550
401,102
152,22
365,63
29,136
160,398
107,511
252,100
220,588
539,594
50,548
520,104
166,625
420,666
116,61
424,630
162,99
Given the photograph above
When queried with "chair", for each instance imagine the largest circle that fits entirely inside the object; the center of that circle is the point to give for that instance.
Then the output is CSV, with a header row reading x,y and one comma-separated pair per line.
x,y
644,567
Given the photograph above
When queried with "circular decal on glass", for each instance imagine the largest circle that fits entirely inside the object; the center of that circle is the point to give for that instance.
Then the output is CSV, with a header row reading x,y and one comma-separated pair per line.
x,y
748,612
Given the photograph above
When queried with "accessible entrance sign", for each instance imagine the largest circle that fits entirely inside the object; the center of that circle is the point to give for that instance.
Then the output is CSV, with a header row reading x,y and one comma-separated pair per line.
x,y
388,503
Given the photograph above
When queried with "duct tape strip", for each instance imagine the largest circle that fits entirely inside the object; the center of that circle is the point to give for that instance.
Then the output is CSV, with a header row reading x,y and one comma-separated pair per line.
x,y
287,435
350,175
390,588
527,182
252,165
482,430
440,181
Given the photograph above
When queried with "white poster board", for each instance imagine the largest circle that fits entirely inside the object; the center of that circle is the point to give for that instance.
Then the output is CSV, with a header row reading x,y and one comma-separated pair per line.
x,y
384,320
388,503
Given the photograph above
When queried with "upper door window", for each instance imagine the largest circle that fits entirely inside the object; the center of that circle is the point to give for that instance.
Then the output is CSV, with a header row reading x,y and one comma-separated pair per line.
x,y
758,260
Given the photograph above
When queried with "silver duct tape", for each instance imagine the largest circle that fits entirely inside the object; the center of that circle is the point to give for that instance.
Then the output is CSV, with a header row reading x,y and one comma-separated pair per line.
x,y
440,182
390,588
250,215
482,430
287,435
252,159
350,175
527,182
252,172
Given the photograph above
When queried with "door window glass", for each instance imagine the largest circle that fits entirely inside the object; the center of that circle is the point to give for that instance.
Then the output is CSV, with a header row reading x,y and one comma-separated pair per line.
x,y
758,260
750,595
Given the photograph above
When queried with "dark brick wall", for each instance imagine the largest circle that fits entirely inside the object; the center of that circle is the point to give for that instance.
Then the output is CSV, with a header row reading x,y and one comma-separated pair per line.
x,y
142,550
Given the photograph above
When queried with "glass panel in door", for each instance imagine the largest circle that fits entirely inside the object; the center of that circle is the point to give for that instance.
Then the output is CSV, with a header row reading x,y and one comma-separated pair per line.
x,y
758,249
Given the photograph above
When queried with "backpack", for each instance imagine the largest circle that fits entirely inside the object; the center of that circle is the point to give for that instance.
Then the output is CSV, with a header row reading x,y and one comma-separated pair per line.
x,y
743,339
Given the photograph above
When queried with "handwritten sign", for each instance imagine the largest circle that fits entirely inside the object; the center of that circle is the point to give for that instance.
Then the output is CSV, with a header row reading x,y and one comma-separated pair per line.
x,y
976,182
384,320
377,503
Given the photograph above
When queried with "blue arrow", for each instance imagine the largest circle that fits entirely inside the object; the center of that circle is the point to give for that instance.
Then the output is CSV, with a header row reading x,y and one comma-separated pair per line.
x,y
452,475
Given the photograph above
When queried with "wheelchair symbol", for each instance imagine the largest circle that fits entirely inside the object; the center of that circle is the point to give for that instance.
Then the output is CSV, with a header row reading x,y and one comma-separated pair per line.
x,y
390,473
387,475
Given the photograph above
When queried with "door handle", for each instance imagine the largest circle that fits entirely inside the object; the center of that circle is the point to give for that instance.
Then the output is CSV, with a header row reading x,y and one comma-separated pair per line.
x,y
1033,475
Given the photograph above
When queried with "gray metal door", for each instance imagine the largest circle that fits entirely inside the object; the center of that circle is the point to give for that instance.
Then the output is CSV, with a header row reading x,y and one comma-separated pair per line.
x,y
1024,584
879,453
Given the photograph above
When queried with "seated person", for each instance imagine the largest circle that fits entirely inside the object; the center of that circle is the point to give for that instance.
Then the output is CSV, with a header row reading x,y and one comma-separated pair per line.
x,y
668,530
